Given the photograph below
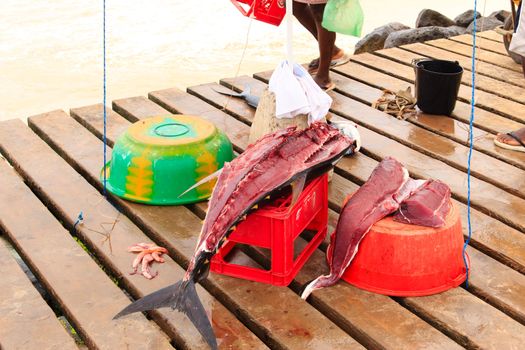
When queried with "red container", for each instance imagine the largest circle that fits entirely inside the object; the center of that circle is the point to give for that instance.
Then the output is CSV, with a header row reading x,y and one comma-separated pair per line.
x,y
268,11
276,228
408,260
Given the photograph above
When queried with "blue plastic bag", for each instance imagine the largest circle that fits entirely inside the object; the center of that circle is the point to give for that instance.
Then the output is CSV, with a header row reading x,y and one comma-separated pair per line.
x,y
343,16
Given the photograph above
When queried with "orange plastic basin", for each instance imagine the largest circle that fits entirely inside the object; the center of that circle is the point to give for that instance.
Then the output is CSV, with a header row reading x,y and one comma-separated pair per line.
x,y
408,260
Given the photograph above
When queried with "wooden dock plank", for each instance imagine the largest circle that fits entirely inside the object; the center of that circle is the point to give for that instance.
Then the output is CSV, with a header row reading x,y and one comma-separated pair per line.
x,y
441,125
478,341
422,166
492,35
27,322
455,308
179,234
68,272
181,106
481,43
507,286
484,83
373,80
510,109
484,119
484,68
453,154
70,194
413,136
483,55
114,126
453,129
367,312
494,234
137,108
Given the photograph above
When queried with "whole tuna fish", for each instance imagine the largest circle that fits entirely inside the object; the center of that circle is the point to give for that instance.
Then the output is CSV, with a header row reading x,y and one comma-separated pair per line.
x,y
277,160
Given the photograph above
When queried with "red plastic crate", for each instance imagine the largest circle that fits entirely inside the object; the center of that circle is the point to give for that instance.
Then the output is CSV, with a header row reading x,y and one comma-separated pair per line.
x,y
268,11
276,228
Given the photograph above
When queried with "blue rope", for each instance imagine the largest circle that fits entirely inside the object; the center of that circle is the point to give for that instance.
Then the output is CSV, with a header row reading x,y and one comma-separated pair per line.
x,y
105,116
471,140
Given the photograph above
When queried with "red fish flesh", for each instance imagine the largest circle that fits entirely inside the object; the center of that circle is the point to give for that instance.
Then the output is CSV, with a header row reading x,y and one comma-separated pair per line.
x,y
427,206
388,185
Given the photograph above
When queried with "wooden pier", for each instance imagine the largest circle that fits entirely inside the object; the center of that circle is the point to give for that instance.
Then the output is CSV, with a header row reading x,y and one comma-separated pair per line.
x,y
51,173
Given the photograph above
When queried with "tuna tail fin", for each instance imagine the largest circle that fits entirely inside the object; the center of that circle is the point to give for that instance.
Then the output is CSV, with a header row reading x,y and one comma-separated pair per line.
x,y
181,296
318,283
310,287
247,91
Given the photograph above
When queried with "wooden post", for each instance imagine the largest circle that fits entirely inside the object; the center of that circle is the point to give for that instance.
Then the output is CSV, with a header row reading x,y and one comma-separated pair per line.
x,y
265,121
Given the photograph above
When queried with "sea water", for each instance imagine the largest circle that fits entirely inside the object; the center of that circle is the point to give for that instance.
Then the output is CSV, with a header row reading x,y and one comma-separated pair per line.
x,y
51,51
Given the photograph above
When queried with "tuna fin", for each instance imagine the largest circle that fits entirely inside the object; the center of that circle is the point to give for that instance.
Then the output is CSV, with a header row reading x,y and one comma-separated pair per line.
x,y
252,100
203,181
310,287
349,129
181,296
247,91
297,188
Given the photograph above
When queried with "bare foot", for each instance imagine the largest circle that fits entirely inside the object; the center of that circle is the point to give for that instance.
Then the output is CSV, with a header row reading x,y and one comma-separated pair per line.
x,y
324,83
314,64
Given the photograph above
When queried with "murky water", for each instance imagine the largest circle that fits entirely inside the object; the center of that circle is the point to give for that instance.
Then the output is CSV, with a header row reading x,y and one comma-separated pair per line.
x,y
50,51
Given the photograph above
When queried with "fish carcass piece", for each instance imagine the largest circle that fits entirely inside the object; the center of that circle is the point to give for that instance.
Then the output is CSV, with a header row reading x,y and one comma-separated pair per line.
x,y
271,163
278,159
388,185
427,206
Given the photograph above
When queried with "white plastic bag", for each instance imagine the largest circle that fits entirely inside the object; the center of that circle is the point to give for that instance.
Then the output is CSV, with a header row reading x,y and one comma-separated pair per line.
x,y
297,93
517,44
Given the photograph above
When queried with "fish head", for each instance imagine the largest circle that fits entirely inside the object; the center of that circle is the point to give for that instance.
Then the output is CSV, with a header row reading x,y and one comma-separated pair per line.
x,y
349,129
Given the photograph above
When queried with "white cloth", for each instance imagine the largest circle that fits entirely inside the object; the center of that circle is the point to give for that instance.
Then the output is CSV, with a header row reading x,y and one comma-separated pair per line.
x,y
297,93
517,44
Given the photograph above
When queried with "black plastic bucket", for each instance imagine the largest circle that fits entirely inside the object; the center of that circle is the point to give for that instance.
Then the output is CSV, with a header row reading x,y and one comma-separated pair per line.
x,y
437,85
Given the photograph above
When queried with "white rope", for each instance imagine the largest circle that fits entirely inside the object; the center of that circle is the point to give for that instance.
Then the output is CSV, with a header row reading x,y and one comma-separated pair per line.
x,y
289,30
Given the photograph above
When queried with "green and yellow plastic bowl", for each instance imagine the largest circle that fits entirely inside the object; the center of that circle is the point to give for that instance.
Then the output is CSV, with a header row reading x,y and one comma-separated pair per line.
x,y
159,158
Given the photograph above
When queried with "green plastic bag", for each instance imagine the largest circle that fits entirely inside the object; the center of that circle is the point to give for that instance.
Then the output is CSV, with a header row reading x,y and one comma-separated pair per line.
x,y
343,16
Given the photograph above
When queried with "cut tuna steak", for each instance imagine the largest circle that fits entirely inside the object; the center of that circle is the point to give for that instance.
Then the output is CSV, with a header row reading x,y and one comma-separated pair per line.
x,y
427,206
388,185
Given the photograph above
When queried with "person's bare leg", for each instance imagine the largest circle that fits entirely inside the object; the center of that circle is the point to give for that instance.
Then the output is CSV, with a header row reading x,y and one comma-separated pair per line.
x,y
326,40
304,15
504,138
302,12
